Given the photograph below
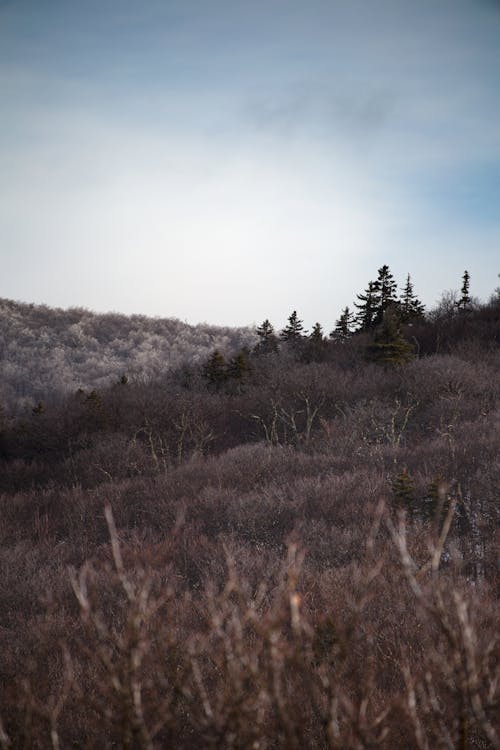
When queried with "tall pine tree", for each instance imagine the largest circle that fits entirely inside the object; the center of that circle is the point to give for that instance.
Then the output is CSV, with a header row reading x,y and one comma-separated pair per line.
x,y
268,341
215,370
343,326
293,332
239,365
464,303
316,344
387,290
316,334
368,307
410,307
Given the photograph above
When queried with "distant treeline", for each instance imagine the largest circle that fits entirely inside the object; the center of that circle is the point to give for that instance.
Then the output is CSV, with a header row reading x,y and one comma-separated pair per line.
x,y
46,352
390,329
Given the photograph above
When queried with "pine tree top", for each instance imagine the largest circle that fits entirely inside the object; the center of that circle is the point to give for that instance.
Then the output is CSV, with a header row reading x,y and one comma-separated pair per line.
x,y
266,329
343,326
317,333
294,330
464,302
410,307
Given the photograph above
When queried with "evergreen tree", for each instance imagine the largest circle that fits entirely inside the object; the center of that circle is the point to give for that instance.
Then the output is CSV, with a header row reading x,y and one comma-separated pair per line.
x,y
294,331
316,344
436,501
344,326
96,411
368,309
316,336
268,341
387,290
403,491
239,366
389,347
464,302
215,369
410,307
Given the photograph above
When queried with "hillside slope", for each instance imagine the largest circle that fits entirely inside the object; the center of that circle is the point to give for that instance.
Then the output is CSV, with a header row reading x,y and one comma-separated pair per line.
x,y
297,545
45,351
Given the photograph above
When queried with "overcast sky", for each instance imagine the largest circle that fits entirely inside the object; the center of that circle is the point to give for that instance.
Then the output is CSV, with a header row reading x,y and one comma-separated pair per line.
x,y
231,160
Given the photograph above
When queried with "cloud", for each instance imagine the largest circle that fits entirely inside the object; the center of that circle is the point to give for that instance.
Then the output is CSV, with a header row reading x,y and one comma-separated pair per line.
x,y
235,161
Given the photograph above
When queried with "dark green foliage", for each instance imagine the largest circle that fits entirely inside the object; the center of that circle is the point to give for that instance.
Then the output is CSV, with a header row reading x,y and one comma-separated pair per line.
x,y
368,307
239,365
268,341
219,372
343,327
403,491
410,307
316,336
436,501
316,344
387,289
389,346
215,369
96,416
379,296
293,332
464,303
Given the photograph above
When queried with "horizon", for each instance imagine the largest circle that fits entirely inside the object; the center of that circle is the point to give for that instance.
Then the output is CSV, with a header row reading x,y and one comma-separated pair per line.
x,y
229,164
253,325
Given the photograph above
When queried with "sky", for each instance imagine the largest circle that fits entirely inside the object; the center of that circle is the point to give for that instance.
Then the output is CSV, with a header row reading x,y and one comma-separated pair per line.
x,y
229,161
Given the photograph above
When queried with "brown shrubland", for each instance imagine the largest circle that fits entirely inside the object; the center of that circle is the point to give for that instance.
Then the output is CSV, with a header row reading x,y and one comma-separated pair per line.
x,y
305,561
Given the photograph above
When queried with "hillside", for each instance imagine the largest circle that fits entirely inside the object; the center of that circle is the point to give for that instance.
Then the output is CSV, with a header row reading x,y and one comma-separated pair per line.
x,y
45,352
293,547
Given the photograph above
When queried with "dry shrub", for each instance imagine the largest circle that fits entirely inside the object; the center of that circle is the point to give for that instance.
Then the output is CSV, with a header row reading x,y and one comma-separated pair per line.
x,y
380,652
256,595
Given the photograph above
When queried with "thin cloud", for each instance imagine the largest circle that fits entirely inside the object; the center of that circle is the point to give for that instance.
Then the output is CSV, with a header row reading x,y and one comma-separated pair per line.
x,y
181,151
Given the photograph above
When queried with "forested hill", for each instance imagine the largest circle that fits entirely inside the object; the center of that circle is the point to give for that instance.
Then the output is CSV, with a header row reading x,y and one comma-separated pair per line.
x,y
46,353
46,350
255,502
